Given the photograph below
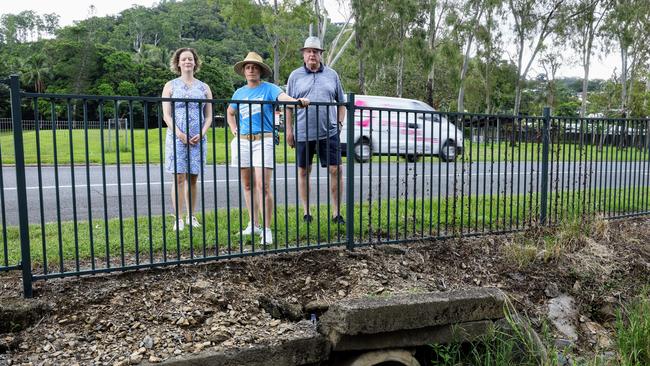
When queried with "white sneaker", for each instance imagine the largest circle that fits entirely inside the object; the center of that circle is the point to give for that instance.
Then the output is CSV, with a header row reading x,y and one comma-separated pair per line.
x,y
194,222
179,225
250,231
267,236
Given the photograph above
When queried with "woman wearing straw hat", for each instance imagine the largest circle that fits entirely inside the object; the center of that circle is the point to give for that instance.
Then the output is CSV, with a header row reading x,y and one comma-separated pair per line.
x,y
252,147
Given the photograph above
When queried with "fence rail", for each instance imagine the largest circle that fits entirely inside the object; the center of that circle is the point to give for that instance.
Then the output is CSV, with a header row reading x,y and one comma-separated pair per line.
x,y
73,204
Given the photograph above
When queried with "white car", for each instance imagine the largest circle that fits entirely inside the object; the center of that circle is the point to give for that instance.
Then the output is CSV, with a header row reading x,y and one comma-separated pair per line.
x,y
400,126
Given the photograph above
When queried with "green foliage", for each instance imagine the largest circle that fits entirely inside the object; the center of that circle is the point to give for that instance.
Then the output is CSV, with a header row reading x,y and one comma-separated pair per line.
x,y
393,40
513,344
568,109
633,332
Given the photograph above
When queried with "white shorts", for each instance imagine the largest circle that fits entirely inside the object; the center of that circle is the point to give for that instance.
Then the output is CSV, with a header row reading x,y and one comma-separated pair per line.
x,y
241,158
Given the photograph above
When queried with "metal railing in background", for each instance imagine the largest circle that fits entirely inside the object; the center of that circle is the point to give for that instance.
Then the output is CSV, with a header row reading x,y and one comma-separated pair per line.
x,y
85,206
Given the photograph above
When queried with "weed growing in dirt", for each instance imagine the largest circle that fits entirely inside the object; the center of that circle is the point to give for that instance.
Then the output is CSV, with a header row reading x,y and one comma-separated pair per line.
x,y
552,243
513,343
633,332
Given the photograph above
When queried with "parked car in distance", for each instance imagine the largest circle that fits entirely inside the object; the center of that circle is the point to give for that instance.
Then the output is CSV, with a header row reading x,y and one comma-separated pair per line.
x,y
403,127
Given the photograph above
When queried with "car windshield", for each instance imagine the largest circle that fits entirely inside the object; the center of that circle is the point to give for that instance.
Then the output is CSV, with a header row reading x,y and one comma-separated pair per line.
x,y
421,106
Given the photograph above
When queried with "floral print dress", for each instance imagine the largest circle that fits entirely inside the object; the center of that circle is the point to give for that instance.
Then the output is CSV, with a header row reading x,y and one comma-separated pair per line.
x,y
179,157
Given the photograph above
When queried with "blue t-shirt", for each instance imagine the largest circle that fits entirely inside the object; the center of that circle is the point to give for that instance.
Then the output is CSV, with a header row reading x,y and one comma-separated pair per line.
x,y
264,92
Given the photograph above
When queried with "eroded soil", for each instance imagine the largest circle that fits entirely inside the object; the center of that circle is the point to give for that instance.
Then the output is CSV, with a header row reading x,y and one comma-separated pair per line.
x,y
153,315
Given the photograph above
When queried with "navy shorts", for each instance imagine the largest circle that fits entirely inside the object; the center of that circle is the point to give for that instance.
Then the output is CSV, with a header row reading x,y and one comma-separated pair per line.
x,y
329,151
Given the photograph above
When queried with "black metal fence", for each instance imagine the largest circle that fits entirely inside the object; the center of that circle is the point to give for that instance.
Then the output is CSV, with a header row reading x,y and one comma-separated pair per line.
x,y
73,205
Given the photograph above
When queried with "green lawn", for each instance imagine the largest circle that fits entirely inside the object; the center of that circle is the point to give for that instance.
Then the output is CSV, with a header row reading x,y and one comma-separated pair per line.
x,y
374,221
142,141
150,140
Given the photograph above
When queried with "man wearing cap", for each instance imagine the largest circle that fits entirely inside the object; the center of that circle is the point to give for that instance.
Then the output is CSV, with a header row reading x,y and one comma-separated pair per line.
x,y
317,127
252,146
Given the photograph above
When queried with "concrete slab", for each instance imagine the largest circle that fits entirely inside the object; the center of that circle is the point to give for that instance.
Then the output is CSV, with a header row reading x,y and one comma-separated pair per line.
x,y
443,334
375,315
312,348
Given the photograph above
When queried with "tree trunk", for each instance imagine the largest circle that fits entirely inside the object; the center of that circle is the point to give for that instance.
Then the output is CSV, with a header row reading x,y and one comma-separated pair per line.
x,y
519,76
431,44
400,73
321,20
276,50
341,50
585,85
623,78
362,76
430,78
488,98
463,74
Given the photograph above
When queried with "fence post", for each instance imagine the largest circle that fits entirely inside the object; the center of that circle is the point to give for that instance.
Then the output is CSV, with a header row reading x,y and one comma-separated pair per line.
x,y
349,184
545,152
21,184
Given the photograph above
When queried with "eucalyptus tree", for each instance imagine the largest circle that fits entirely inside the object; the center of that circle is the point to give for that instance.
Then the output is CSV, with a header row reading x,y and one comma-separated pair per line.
x,y
361,32
337,47
437,29
281,24
585,26
489,51
468,26
551,62
390,23
27,26
628,26
534,22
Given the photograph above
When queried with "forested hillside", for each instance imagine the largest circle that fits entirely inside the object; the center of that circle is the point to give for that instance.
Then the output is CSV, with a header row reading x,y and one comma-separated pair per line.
x,y
454,54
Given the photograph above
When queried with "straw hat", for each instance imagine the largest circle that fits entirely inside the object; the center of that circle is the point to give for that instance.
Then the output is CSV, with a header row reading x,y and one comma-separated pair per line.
x,y
312,42
253,58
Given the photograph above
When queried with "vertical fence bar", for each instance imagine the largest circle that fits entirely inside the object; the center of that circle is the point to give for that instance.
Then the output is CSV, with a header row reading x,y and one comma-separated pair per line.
x,y
361,164
103,154
544,172
88,193
134,185
349,196
145,118
213,128
388,167
318,161
119,178
21,185
4,216
73,188
40,183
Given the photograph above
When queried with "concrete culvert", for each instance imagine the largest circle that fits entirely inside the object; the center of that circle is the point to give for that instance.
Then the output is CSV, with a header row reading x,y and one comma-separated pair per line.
x,y
384,358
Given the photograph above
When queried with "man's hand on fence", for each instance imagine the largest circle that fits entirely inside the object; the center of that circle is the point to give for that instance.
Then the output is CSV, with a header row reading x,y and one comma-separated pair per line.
x,y
304,102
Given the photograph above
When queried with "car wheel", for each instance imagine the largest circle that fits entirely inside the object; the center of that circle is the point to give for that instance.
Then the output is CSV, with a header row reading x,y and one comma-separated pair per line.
x,y
448,151
362,150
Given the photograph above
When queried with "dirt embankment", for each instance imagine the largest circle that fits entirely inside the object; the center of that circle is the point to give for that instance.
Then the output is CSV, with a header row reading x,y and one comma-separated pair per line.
x,y
157,314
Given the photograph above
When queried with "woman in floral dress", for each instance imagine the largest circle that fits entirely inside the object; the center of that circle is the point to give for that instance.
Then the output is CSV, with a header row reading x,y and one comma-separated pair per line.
x,y
187,126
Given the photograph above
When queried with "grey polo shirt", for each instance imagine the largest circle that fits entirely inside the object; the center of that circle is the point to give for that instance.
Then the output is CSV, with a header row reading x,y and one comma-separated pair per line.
x,y
323,85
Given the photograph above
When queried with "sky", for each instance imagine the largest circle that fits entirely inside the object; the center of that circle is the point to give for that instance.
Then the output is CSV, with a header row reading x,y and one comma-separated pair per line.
x,y
71,10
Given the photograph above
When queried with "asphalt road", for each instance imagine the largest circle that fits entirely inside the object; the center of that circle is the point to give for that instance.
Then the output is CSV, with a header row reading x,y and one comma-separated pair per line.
x,y
132,191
